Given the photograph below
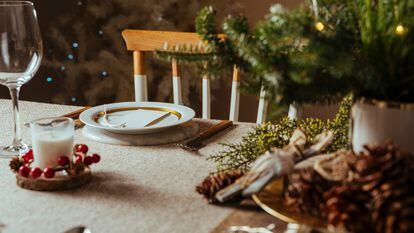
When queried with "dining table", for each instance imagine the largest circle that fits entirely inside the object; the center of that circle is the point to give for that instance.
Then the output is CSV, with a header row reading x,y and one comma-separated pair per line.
x,y
133,189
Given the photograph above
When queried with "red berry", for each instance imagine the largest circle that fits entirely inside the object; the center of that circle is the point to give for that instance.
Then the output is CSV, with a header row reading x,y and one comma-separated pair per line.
x,y
24,171
81,148
29,153
63,161
28,156
36,172
96,158
49,173
78,159
88,160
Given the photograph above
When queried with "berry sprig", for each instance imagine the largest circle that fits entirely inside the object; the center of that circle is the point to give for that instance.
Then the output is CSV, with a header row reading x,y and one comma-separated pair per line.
x,y
81,160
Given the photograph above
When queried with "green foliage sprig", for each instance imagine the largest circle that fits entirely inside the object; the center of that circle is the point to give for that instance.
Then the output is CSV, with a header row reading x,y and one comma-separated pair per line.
x,y
385,59
214,56
188,54
269,135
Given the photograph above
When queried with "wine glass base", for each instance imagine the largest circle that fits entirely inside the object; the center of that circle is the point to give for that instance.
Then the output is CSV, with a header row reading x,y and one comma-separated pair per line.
x,y
13,150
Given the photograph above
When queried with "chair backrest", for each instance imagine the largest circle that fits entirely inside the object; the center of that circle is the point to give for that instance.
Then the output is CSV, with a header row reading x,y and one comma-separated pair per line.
x,y
142,41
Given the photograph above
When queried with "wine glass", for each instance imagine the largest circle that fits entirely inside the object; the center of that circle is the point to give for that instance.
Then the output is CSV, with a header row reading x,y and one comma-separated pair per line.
x,y
20,57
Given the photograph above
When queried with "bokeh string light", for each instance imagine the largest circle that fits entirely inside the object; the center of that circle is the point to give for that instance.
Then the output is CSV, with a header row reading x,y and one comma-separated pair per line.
x,y
319,26
83,49
104,73
400,30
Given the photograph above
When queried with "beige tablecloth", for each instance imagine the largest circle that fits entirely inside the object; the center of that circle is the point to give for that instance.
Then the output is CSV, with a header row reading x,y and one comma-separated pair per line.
x,y
135,189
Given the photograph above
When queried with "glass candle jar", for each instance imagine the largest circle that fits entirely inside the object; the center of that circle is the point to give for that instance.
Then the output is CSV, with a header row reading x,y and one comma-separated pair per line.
x,y
51,138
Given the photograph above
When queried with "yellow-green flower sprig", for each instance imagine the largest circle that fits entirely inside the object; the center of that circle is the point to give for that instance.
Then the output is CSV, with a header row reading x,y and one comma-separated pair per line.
x,y
269,135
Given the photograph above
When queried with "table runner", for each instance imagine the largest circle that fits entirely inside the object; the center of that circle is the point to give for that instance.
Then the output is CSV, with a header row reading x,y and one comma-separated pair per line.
x,y
135,189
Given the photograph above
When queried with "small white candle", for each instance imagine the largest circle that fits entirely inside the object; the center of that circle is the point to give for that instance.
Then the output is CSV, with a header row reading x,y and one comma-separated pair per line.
x,y
51,138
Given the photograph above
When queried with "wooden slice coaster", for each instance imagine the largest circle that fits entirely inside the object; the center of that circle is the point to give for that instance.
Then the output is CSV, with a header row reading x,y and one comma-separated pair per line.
x,y
62,182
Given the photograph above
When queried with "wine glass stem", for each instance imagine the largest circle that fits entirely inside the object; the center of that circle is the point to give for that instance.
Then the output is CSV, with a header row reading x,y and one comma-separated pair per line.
x,y
14,93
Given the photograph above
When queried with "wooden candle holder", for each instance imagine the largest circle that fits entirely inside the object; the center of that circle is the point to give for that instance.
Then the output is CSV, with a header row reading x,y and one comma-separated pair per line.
x,y
58,183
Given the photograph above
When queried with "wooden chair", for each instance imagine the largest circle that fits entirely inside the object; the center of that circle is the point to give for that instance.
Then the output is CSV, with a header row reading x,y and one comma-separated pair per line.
x,y
140,42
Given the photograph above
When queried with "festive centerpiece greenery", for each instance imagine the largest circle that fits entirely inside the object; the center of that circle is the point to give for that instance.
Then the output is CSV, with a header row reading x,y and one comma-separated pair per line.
x,y
269,135
317,52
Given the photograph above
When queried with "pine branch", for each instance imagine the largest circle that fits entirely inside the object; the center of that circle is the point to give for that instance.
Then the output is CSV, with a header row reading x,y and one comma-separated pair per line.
x,y
205,24
185,53
318,55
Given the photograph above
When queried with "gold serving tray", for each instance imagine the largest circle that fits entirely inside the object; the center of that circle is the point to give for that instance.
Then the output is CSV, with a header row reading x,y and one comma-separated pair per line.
x,y
271,200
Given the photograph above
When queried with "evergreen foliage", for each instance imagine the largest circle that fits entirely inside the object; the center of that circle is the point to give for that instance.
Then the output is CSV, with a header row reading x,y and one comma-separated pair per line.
x,y
269,135
320,51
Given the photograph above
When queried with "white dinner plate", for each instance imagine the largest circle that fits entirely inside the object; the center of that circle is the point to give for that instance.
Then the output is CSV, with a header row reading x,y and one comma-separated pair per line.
x,y
179,114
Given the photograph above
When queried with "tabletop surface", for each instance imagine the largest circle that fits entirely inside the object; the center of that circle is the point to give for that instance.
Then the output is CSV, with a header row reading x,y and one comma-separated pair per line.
x,y
134,189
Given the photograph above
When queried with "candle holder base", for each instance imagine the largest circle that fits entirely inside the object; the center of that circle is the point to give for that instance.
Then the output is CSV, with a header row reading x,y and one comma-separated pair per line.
x,y
58,183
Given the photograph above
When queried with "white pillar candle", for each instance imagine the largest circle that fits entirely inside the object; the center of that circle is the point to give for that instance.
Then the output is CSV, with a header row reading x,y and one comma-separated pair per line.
x,y
51,138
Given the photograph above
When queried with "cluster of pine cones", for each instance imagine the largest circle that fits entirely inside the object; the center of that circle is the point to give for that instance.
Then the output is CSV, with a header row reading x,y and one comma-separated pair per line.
x,y
377,194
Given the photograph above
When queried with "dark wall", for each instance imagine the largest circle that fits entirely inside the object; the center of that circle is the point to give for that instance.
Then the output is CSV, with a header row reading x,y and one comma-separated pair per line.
x,y
37,89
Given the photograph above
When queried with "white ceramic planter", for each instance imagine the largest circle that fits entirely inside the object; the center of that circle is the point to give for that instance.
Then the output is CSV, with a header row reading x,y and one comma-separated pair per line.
x,y
376,121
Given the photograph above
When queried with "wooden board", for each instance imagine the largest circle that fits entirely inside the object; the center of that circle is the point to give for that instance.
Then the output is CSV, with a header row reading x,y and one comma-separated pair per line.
x,y
58,183
143,40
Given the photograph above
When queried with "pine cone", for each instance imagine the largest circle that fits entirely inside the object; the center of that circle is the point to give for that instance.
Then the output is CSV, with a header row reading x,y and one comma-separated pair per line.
x,y
388,174
393,210
15,164
306,191
216,182
380,164
377,196
348,208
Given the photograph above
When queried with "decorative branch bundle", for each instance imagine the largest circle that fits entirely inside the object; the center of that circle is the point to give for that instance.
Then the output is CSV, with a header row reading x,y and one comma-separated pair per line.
x,y
275,163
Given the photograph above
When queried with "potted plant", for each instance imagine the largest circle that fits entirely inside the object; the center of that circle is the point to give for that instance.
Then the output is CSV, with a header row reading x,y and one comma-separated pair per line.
x,y
320,52
384,74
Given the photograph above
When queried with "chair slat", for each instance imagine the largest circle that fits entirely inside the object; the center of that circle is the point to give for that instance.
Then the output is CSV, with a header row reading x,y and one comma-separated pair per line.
x,y
235,96
176,79
144,40
140,77
295,111
140,41
206,98
263,105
